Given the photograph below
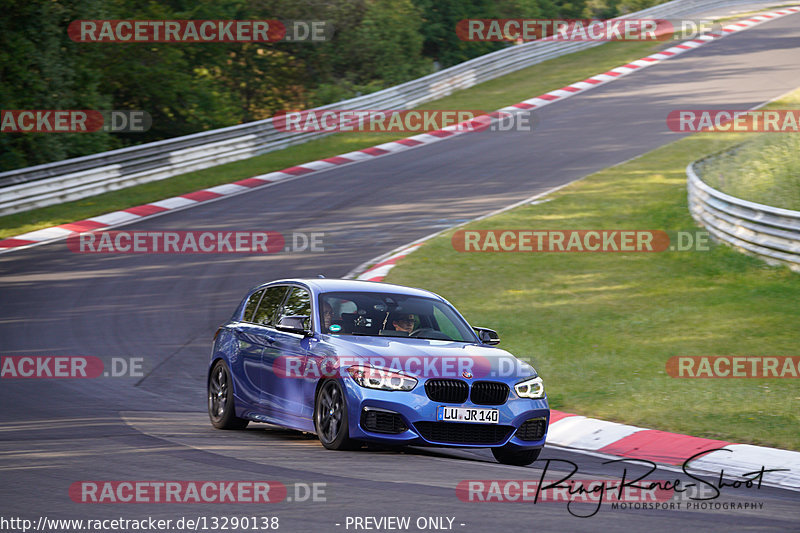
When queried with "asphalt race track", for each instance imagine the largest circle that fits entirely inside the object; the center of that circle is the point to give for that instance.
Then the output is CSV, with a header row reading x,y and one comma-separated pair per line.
x,y
165,309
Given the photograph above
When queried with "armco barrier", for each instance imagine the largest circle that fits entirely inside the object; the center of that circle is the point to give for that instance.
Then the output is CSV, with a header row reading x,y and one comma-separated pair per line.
x,y
771,233
71,179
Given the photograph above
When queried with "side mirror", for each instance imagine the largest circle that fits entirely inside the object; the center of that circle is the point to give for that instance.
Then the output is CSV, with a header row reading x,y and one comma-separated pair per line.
x,y
293,324
487,336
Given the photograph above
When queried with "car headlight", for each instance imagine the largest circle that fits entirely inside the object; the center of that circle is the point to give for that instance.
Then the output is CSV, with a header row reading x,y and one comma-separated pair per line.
x,y
530,388
381,378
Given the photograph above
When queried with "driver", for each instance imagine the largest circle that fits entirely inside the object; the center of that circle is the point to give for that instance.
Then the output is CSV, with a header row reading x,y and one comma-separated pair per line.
x,y
403,322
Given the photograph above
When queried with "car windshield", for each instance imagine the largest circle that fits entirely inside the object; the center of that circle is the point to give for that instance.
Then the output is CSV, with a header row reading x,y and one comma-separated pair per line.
x,y
391,315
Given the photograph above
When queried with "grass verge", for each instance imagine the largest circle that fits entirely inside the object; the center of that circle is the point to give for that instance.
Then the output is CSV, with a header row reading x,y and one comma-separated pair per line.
x,y
487,96
601,327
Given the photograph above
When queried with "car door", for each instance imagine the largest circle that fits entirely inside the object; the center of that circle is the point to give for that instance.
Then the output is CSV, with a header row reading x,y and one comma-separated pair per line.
x,y
258,335
284,393
246,361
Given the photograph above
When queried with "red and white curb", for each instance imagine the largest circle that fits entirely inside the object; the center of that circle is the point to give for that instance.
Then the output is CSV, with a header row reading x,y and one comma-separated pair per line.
x,y
384,264
127,216
134,214
621,440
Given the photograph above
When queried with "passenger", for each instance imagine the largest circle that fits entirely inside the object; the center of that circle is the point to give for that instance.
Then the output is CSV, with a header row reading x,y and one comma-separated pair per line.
x,y
327,316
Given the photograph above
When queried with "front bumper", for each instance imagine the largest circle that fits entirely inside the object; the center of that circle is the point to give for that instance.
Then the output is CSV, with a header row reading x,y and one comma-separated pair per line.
x,y
418,425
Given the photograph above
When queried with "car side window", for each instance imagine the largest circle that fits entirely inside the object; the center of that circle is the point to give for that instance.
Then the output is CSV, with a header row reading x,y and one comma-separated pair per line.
x,y
252,303
270,302
298,304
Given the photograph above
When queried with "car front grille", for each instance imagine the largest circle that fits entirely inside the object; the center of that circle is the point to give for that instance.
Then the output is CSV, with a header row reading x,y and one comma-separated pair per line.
x,y
447,390
463,433
489,393
457,391
532,429
379,421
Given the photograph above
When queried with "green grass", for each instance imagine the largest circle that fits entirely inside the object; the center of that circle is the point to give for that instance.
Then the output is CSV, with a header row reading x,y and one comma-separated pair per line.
x,y
765,168
601,327
487,96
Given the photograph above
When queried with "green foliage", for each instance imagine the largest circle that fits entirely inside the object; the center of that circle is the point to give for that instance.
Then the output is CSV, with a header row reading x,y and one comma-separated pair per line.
x,y
387,45
188,88
439,19
41,68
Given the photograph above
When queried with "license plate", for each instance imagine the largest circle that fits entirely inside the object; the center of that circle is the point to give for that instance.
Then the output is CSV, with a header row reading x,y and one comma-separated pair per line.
x,y
468,414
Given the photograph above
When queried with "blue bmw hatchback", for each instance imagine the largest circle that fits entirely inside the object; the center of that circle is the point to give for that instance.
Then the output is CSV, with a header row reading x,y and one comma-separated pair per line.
x,y
360,361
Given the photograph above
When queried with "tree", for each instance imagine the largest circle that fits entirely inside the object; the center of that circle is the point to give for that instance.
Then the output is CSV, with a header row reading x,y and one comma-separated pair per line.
x,y
41,68
440,17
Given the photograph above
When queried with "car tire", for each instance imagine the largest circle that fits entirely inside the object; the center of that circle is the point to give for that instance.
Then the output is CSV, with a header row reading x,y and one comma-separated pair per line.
x,y
221,409
330,417
515,457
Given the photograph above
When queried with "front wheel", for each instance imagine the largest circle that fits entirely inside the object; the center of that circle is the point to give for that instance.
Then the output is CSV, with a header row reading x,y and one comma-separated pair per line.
x,y
220,400
330,418
515,457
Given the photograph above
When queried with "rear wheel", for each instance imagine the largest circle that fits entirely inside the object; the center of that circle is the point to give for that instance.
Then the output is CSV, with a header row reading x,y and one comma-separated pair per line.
x,y
330,418
220,399
516,457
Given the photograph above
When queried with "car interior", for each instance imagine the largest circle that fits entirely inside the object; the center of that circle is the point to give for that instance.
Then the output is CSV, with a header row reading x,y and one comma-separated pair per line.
x,y
374,315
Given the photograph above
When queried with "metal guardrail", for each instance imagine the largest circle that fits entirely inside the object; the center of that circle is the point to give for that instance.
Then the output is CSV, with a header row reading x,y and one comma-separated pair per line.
x,y
771,233
72,179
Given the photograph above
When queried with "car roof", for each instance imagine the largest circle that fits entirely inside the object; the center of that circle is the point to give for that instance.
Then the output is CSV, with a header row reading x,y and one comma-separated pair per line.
x,y
352,285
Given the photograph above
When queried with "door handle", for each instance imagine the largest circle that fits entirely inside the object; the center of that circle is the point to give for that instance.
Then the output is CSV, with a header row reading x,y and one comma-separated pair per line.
x,y
270,339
